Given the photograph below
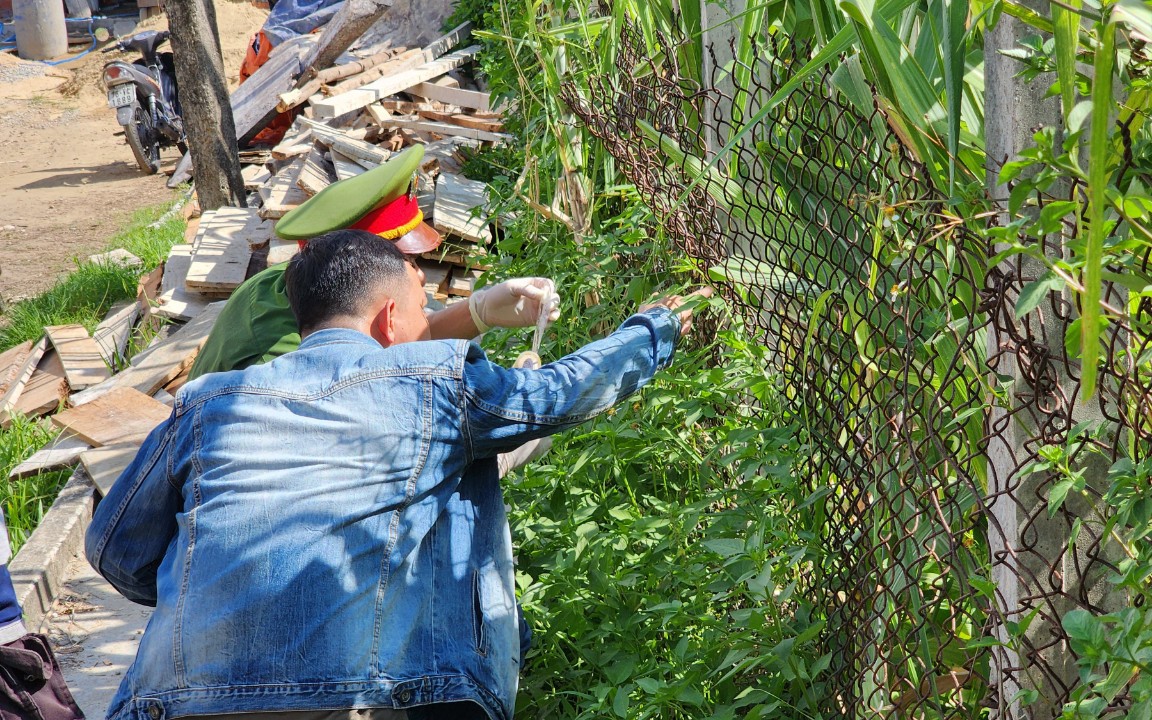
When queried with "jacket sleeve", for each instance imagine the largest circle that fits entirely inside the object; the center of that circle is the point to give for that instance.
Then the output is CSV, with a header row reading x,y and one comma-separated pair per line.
x,y
134,525
506,407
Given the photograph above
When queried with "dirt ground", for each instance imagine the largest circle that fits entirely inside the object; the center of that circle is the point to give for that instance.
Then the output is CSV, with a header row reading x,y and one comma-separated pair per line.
x,y
68,180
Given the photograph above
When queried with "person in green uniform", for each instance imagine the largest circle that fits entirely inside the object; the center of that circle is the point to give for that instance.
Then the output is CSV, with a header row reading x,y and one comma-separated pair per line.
x,y
257,325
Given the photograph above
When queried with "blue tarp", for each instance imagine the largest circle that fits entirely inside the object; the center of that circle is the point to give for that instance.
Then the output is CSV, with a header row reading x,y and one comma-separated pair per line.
x,y
290,18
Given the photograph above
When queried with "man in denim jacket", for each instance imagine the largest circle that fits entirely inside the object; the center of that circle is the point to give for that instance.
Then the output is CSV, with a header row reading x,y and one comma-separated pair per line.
x,y
323,536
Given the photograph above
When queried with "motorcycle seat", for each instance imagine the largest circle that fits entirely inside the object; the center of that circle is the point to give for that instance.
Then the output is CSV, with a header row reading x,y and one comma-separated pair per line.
x,y
146,42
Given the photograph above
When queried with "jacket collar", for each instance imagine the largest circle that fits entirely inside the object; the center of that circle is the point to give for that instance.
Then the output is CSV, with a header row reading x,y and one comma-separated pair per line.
x,y
337,335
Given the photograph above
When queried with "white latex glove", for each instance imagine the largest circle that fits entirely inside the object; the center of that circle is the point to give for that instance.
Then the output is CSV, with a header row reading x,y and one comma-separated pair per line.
x,y
521,456
514,303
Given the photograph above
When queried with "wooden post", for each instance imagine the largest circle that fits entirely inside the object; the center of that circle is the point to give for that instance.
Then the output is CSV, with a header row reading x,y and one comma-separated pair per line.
x,y
206,110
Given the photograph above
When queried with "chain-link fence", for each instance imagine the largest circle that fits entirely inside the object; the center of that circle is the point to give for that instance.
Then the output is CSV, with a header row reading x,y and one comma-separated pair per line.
x,y
942,573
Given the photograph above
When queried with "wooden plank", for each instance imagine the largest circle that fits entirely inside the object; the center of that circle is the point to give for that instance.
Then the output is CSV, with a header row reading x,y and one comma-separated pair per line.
x,y
83,363
254,102
44,391
223,247
281,251
442,128
379,89
255,176
163,362
435,276
351,147
147,292
12,361
316,173
283,195
106,464
456,196
345,166
114,331
453,96
404,61
121,415
350,22
463,282
119,256
62,453
176,301
19,381
315,80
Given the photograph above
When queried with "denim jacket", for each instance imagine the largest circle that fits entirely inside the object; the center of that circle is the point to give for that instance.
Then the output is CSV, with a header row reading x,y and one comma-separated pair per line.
x,y
327,531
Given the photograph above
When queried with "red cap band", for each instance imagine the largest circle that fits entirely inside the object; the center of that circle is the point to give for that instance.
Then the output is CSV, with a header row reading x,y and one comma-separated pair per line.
x,y
392,220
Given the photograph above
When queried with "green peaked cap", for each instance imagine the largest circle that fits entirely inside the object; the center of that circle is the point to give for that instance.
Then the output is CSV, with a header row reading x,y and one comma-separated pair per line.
x,y
344,202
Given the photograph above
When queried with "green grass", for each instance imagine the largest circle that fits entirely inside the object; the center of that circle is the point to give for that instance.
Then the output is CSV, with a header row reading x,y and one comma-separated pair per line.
x,y
83,296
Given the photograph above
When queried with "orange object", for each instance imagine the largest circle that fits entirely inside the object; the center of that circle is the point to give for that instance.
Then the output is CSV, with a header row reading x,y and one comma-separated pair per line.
x,y
258,51
257,55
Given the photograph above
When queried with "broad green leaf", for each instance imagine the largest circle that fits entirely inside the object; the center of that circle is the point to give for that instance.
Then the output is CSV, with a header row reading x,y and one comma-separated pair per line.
x,y
1034,293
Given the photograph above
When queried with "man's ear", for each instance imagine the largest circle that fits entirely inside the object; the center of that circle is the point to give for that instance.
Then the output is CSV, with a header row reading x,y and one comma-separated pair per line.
x,y
384,324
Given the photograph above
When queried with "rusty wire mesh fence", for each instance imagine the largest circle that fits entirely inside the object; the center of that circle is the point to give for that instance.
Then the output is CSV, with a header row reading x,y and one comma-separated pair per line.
x,y
942,576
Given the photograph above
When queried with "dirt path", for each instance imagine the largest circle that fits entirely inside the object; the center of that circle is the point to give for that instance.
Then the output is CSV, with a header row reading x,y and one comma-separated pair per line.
x,y
68,181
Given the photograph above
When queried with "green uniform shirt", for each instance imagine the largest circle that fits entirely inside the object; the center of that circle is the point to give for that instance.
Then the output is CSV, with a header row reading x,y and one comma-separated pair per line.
x,y
255,326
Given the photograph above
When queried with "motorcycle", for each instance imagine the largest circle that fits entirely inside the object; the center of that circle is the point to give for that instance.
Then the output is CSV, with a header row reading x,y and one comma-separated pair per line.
x,y
143,93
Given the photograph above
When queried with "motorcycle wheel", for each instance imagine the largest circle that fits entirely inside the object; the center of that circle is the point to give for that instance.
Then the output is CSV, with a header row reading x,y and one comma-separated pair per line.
x,y
142,139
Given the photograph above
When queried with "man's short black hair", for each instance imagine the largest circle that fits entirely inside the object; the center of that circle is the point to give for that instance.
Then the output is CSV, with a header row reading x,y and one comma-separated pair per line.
x,y
335,273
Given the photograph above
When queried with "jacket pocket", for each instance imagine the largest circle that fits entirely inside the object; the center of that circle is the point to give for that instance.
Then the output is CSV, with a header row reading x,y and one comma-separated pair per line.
x,y
479,636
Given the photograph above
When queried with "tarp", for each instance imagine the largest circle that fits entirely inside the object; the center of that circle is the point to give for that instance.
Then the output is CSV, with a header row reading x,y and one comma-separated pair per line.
x,y
290,18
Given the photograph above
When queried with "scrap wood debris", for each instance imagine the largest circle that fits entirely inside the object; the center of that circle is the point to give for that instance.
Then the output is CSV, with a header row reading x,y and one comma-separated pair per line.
x,y
348,118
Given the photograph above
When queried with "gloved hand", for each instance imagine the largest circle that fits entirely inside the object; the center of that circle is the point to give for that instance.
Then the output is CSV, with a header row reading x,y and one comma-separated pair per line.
x,y
528,452
514,303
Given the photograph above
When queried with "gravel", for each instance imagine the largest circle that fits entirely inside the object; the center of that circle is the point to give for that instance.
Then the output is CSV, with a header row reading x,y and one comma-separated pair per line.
x,y
15,72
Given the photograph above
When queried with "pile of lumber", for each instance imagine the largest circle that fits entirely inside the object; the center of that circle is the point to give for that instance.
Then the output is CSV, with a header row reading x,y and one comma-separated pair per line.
x,y
351,114
104,402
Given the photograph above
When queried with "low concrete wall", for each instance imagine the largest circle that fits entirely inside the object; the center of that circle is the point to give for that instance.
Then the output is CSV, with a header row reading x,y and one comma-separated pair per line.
x,y
39,569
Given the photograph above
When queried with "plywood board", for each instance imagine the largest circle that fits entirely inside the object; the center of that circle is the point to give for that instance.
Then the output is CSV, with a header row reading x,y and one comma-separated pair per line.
x,y
222,249
456,196
63,452
16,382
163,362
282,193
106,464
114,330
45,390
83,363
176,301
120,415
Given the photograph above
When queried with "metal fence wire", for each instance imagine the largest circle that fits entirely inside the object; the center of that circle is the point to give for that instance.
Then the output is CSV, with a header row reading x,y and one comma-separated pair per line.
x,y
942,576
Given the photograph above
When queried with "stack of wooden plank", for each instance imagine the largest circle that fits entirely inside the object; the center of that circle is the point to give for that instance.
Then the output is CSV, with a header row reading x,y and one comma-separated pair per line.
x,y
105,403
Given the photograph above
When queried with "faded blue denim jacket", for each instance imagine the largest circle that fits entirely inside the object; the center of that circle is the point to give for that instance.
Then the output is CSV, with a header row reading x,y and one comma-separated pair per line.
x,y
327,530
